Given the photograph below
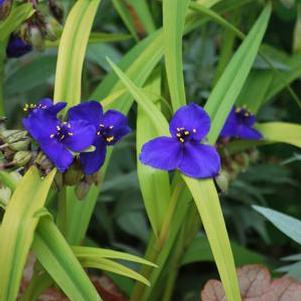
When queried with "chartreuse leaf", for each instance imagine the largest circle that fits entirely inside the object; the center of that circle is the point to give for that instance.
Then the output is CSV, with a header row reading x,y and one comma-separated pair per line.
x,y
290,226
18,15
72,50
154,184
289,133
174,12
227,89
205,197
17,229
112,266
89,252
56,256
208,205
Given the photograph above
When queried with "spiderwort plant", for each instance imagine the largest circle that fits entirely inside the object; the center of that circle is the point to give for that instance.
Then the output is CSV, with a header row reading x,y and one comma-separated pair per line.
x,y
184,150
58,139
110,127
239,124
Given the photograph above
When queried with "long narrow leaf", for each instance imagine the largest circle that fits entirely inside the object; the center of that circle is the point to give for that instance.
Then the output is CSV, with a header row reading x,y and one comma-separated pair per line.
x,y
174,12
72,50
59,261
17,230
231,82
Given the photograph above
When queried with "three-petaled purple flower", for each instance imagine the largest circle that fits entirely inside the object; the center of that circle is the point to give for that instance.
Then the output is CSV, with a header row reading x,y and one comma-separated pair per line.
x,y
184,150
110,128
17,47
239,124
58,139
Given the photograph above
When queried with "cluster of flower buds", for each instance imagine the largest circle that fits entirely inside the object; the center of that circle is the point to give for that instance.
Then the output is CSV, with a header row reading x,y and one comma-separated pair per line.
x,y
5,7
44,24
15,148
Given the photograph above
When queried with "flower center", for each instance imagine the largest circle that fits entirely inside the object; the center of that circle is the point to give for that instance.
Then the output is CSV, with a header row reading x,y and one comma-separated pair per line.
x,y
242,114
63,131
183,134
105,132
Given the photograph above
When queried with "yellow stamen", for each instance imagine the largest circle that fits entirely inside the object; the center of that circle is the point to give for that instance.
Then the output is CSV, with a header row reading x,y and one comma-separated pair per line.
x,y
110,139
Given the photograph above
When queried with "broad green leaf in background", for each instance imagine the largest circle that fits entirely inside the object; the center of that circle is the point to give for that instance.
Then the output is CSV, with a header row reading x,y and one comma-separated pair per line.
x,y
154,184
290,226
72,50
17,229
226,91
174,12
56,256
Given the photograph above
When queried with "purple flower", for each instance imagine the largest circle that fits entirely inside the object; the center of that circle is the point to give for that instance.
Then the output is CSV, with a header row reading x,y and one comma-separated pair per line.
x,y
183,150
17,47
45,104
59,139
110,128
239,124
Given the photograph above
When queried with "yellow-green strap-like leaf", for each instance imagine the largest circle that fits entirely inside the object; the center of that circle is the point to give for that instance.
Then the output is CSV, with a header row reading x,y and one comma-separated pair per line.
x,y
174,12
72,51
17,229
56,256
226,91
284,132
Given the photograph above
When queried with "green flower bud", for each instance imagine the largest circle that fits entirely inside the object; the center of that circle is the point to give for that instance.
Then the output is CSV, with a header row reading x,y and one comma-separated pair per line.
x,y
21,145
5,194
12,136
5,8
82,189
222,181
43,163
36,38
73,175
21,158
53,29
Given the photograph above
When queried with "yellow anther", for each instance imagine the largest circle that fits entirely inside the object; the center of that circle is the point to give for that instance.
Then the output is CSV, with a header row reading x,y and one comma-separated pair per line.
x,y
111,127
98,133
110,139
178,129
178,135
101,125
63,136
70,134
52,135
182,140
186,133
58,127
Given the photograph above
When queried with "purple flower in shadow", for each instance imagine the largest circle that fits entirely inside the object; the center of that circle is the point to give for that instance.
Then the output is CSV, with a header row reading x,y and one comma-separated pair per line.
x,y
59,139
183,150
239,124
110,127
45,104
17,47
